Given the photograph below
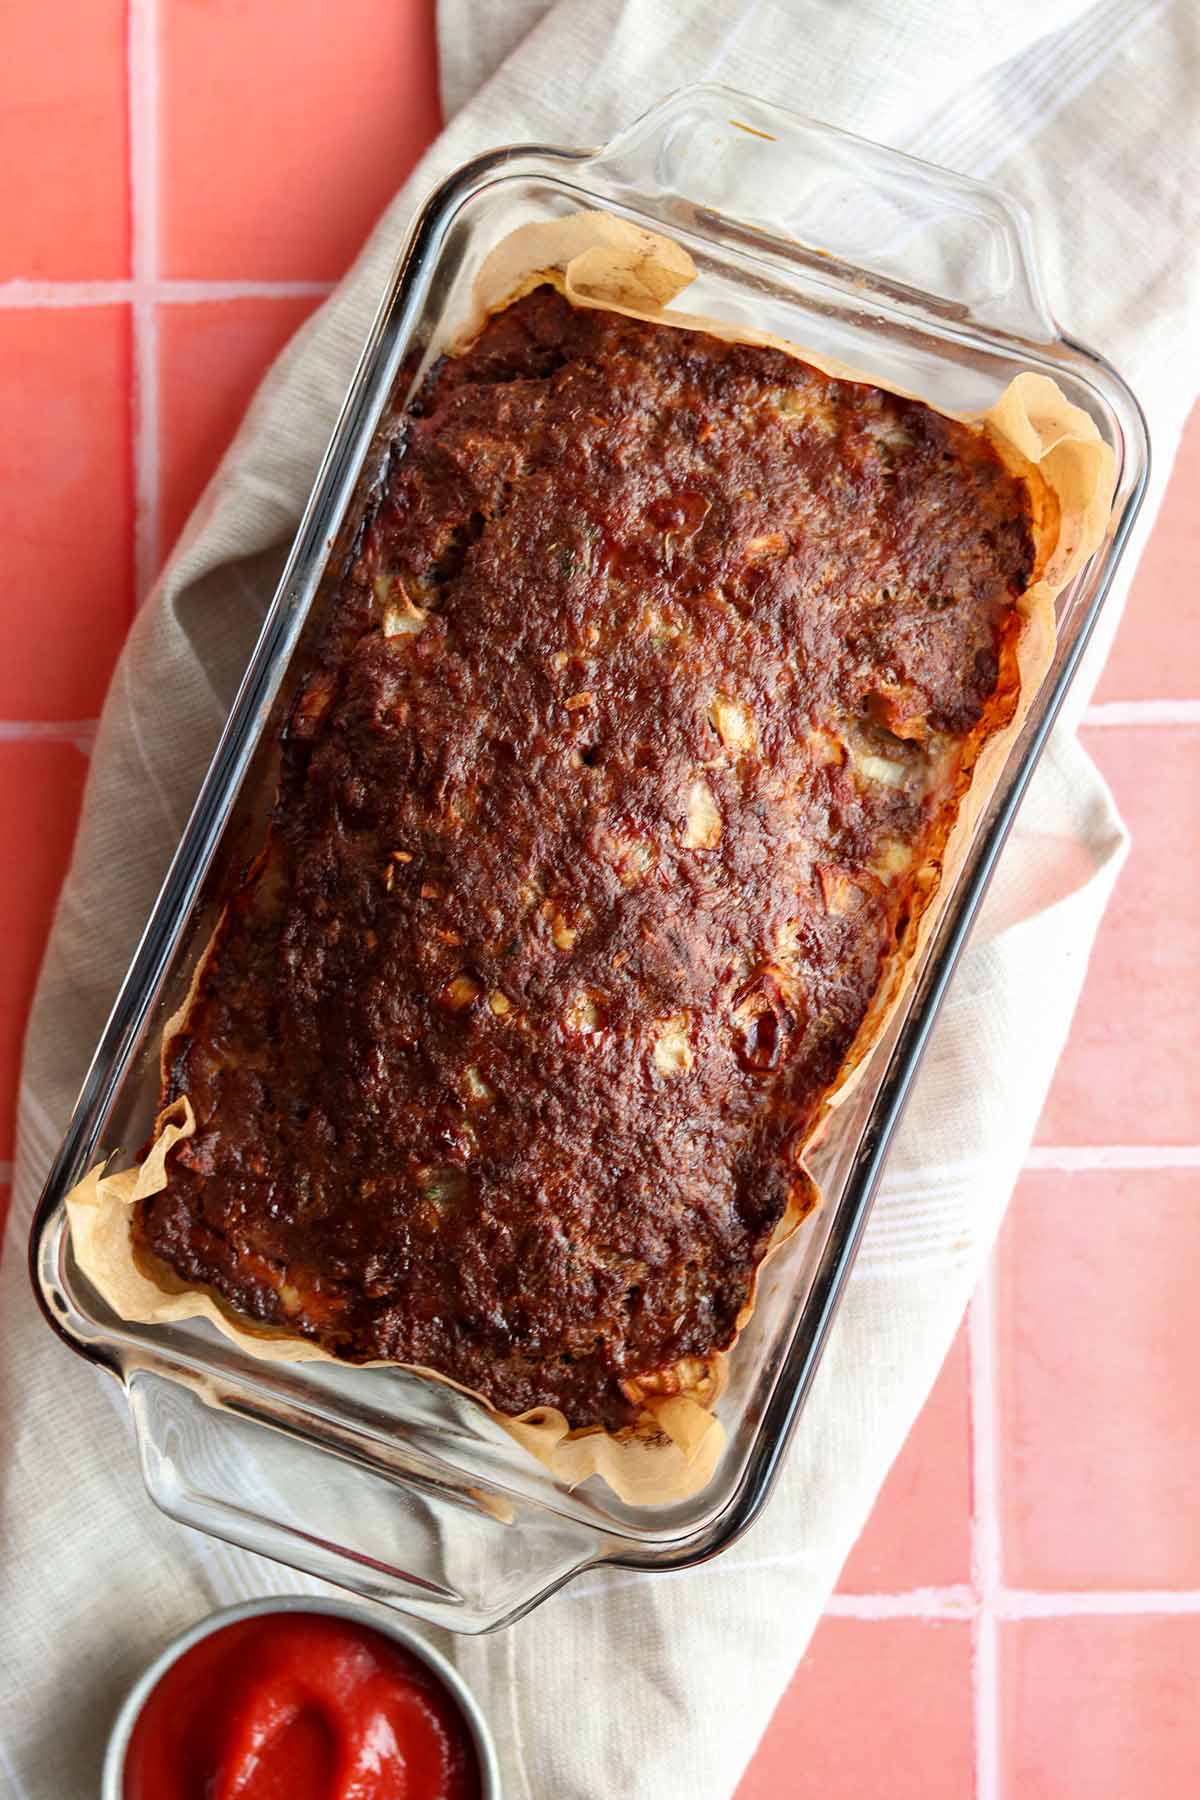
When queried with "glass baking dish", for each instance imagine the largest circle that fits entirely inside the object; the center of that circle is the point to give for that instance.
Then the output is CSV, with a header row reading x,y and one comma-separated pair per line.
x,y
391,1485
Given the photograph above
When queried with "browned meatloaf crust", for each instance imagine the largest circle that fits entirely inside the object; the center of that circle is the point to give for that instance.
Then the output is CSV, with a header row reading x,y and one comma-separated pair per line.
x,y
595,829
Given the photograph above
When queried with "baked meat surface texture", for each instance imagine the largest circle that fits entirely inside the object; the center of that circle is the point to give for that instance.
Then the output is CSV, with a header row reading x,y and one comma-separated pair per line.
x,y
640,720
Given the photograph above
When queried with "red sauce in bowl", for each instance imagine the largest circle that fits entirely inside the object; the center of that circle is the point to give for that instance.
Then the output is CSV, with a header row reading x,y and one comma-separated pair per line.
x,y
300,1706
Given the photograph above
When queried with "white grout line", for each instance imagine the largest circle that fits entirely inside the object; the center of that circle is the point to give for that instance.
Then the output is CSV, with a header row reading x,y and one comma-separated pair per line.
x,y
916,1603
192,293
985,1540
962,1602
143,181
25,294
958,1603
1143,712
80,732
1079,1157
32,294
1027,1603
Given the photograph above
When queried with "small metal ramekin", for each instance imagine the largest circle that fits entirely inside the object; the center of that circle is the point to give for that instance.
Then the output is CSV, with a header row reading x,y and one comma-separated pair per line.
x,y
451,1680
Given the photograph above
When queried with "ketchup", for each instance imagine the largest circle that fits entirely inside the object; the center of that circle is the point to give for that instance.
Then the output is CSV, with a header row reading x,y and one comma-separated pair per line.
x,y
300,1706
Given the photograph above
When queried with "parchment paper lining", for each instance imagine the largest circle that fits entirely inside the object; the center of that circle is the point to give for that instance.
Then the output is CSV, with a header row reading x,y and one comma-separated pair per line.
x,y
597,260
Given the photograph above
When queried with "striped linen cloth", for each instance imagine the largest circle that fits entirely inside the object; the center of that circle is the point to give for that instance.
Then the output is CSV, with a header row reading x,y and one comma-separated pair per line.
x,y
629,1685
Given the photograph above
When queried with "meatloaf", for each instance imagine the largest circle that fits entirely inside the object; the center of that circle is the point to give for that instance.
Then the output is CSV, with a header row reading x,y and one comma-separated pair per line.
x,y
645,702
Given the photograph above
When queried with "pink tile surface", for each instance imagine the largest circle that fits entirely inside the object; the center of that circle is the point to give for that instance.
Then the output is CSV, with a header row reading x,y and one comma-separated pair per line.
x,y
1100,1708
40,788
212,356
66,508
277,138
285,133
873,1701
1131,1072
1156,655
919,1535
1099,1338
63,143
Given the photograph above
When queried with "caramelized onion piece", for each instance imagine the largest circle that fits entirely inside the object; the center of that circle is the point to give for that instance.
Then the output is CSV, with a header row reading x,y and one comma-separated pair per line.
x,y
767,1021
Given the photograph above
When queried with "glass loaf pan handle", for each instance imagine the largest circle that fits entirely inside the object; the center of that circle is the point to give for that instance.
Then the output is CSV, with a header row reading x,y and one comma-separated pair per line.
x,y
858,213
466,1561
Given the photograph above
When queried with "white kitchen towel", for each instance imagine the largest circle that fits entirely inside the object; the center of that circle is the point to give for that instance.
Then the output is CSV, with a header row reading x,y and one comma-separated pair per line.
x,y
622,1685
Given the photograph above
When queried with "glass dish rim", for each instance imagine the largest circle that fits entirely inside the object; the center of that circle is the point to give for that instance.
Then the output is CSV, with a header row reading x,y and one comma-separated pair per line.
x,y
331,493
